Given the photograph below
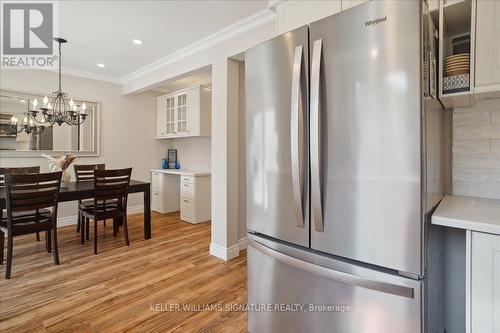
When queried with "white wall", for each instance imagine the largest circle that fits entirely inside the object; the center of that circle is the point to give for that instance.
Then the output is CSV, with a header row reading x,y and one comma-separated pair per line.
x,y
242,223
476,150
193,153
127,125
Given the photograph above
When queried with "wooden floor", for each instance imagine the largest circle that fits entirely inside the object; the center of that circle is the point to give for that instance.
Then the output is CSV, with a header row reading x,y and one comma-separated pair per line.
x,y
118,289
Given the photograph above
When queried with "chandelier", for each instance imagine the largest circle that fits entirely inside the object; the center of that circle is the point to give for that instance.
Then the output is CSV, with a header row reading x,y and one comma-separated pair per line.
x,y
28,125
58,110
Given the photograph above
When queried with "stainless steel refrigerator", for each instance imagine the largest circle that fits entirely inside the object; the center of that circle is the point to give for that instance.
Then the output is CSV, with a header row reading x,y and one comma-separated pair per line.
x,y
343,167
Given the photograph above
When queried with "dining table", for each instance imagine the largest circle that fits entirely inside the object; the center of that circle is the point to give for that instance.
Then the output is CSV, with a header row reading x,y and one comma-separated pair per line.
x,y
85,190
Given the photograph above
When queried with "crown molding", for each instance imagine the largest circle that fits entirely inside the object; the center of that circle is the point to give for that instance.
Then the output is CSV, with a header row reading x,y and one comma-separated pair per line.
x,y
248,24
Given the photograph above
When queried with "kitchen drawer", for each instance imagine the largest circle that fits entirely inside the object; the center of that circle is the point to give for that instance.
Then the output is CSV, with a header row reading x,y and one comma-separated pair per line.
x,y
157,182
158,201
187,190
187,209
187,179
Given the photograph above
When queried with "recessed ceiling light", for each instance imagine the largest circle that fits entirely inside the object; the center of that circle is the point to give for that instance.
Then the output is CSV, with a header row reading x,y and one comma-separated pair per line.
x,y
138,42
101,65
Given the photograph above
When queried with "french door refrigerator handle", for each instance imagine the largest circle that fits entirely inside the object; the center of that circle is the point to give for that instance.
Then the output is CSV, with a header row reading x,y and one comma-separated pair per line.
x,y
315,130
351,279
297,137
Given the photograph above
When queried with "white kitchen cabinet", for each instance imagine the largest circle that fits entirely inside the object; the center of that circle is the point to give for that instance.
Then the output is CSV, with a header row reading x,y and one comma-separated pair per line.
x,y
456,19
292,14
485,283
184,113
479,218
487,47
184,190
195,199
161,116
165,193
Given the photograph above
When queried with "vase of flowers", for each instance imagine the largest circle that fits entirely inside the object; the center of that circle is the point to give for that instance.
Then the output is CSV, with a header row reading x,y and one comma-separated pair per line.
x,y
61,163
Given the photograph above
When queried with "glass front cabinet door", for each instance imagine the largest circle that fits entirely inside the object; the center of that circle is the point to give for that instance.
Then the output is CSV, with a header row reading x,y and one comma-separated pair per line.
x,y
170,110
182,120
184,113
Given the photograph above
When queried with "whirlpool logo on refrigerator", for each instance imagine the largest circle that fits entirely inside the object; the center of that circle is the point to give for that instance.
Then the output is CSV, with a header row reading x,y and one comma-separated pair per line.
x,y
376,21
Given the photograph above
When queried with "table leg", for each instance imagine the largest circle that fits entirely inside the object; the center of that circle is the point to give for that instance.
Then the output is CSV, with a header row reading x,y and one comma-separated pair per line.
x,y
147,213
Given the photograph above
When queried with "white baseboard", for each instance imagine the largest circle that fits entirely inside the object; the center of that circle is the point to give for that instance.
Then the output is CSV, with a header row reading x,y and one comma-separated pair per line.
x,y
223,252
71,220
242,244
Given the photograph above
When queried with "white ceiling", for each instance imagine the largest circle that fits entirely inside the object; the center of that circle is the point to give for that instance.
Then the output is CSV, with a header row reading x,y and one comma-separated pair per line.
x,y
102,31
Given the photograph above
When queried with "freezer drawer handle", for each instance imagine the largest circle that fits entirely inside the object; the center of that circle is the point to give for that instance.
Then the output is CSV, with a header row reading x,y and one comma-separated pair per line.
x,y
328,273
297,137
315,130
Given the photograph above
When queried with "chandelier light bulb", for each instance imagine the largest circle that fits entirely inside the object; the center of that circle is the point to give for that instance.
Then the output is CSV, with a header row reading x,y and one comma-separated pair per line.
x,y
25,120
73,106
13,120
71,103
45,100
49,106
35,103
83,107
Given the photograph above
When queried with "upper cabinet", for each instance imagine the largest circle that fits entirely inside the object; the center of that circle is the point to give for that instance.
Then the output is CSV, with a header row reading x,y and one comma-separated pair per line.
x,y
457,52
487,47
184,113
469,45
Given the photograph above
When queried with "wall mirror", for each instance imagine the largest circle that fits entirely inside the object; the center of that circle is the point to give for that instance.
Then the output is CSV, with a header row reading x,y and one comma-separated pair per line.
x,y
82,139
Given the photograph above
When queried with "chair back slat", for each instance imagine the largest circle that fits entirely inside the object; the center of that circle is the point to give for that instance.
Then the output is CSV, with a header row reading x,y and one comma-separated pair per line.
x,y
85,172
27,192
28,204
112,184
16,170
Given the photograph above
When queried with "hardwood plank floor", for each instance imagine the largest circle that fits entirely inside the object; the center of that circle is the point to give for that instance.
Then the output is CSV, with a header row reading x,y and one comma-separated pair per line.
x,y
123,288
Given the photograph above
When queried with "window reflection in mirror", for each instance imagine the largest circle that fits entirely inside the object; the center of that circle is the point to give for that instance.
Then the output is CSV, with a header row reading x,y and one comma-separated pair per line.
x,y
77,138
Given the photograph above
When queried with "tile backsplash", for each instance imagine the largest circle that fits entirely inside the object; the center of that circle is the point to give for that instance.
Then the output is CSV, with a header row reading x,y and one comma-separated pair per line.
x,y
476,150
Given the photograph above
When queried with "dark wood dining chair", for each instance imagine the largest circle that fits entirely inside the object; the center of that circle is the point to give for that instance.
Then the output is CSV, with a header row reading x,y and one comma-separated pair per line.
x,y
26,193
110,200
85,173
17,170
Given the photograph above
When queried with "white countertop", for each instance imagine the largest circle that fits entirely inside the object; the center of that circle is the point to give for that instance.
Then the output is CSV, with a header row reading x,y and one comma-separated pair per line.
x,y
476,214
185,172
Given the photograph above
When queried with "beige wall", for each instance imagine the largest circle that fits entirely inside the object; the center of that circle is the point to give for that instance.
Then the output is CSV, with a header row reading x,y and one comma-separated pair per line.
x,y
127,125
476,150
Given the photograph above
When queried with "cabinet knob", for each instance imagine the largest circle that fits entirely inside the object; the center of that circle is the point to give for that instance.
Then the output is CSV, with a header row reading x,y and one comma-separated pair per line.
x,y
186,201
